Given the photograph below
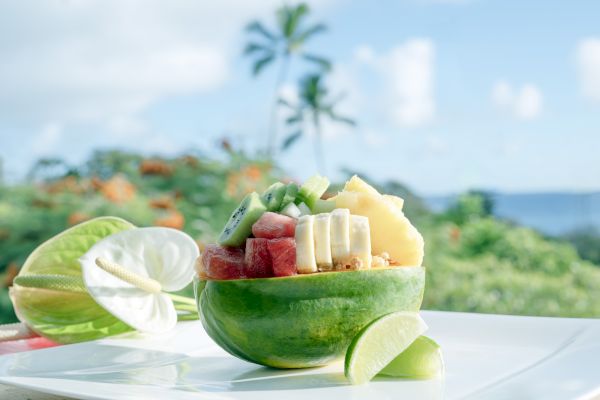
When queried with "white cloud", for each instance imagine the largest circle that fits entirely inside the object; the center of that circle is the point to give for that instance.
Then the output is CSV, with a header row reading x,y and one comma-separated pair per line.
x,y
502,94
364,54
105,62
407,73
588,62
528,103
525,102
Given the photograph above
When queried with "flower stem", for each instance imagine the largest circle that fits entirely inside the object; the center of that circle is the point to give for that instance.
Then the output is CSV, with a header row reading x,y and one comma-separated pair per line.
x,y
182,299
185,307
187,317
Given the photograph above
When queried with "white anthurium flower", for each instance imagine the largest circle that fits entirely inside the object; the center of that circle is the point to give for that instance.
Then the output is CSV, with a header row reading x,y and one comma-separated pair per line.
x,y
128,273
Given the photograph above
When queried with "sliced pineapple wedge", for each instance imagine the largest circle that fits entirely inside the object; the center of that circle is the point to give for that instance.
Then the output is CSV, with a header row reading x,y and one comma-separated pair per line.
x,y
391,231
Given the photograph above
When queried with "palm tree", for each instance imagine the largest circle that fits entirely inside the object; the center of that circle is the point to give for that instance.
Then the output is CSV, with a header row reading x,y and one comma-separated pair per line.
x,y
313,106
282,44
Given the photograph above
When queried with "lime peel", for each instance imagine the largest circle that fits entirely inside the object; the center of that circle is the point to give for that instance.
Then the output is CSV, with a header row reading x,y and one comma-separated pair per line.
x,y
380,342
421,360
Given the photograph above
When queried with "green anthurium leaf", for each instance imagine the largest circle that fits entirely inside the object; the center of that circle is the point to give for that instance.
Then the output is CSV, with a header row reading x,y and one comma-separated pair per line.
x,y
46,295
59,255
64,316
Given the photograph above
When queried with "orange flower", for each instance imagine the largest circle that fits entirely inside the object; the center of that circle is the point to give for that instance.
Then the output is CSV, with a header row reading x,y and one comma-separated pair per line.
x,y
155,167
173,219
252,172
77,217
163,203
192,161
118,189
455,234
11,273
66,184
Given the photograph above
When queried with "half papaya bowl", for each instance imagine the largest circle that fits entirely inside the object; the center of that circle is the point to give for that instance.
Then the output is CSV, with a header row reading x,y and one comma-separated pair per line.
x,y
303,320
290,285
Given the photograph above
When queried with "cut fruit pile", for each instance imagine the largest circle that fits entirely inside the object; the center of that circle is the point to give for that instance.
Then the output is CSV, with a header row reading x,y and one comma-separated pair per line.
x,y
291,230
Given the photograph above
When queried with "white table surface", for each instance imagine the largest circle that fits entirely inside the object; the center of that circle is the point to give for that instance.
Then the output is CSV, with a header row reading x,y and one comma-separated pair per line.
x,y
491,357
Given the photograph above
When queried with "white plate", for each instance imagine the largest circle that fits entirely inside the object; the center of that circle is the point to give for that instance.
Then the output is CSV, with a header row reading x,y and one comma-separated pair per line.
x,y
487,357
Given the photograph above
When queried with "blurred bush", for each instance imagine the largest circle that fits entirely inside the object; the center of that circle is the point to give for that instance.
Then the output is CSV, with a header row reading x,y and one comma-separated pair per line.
x,y
587,242
477,263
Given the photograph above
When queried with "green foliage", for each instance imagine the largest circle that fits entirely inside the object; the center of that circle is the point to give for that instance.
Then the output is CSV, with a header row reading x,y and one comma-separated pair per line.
x,y
587,243
477,263
468,206
474,261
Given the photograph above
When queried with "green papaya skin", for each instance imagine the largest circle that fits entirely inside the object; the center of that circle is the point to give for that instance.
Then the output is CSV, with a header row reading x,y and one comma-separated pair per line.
x,y
304,320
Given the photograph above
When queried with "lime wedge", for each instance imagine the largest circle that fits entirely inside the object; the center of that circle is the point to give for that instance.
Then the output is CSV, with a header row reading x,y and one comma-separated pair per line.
x,y
377,344
421,360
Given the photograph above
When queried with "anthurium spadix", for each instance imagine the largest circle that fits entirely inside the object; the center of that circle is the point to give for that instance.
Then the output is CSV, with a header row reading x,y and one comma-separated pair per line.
x,y
129,274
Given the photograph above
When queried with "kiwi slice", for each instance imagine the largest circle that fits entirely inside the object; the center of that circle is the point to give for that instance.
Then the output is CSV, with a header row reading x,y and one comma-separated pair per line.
x,y
273,196
312,190
239,226
291,191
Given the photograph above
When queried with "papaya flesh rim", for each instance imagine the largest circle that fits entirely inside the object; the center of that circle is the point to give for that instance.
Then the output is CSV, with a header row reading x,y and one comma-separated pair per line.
x,y
304,276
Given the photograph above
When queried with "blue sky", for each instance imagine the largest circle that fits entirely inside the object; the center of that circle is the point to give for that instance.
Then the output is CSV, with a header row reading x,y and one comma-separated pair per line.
x,y
449,95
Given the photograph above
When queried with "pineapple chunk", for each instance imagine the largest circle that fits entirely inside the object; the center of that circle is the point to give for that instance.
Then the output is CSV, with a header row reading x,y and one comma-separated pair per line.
x,y
355,184
398,201
391,231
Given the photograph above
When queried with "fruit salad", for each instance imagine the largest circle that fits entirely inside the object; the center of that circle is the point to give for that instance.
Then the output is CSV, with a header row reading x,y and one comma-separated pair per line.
x,y
290,230
294,277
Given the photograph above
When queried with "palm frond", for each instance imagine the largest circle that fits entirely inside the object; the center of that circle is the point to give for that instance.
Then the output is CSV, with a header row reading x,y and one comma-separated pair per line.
x,y
345,120
322,62
338,118
294,17
261,63
283,102
256,48
291,139
282,15
294,119
258,27
313,30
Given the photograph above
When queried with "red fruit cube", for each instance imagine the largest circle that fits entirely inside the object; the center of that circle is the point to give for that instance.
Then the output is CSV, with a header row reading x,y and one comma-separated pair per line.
x,y
283,256
258,260
218,262
272,225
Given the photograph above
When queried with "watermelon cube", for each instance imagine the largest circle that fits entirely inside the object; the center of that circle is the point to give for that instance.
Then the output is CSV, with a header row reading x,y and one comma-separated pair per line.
x,y
258,260
219,262
272,225
283,256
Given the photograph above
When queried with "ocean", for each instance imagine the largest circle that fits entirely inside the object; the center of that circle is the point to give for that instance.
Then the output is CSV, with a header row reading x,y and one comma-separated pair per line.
x,y
551,213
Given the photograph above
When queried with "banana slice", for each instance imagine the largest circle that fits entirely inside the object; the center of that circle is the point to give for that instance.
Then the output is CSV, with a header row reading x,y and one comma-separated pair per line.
x,y
305,245
322,227
340,236
360,242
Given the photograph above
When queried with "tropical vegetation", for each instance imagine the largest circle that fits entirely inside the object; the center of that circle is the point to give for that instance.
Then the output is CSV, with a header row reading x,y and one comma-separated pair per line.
x,y
475,262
